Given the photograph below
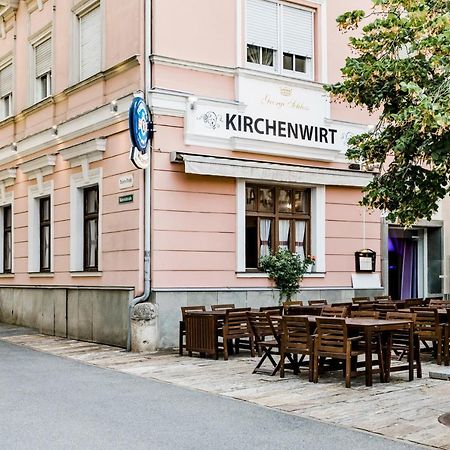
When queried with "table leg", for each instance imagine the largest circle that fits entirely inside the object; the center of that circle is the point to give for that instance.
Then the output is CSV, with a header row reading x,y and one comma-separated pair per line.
x,y
387,357
368,338
411,352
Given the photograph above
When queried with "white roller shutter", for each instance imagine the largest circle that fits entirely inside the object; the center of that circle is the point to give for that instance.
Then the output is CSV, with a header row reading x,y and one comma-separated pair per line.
x,y
90,43
297,31
6,80
43,57
262,23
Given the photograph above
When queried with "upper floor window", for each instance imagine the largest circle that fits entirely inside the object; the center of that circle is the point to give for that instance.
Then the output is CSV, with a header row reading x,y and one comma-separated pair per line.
x,y
43,69
6,84
90,42
91,210
44,234
280,37
276,217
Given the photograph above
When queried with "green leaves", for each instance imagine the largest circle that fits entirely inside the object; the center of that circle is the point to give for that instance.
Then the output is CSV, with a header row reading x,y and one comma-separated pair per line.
x,y
400,71
287,270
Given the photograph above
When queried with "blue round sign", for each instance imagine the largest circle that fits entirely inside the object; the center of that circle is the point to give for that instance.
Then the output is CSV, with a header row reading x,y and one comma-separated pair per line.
x,y
139,123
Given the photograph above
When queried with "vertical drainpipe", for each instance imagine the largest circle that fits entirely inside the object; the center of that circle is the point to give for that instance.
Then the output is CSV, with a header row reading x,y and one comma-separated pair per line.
x,y
147,172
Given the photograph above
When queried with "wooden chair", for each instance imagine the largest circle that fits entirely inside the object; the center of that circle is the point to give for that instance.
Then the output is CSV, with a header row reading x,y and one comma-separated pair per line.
x,y
384,308
439,303
447,338
222,306
272,309
287,305
332,340
359,300
382,298
429,329
334,311
400,341
365,313
317,302
235,331
182,326
412,302
296,339
265,338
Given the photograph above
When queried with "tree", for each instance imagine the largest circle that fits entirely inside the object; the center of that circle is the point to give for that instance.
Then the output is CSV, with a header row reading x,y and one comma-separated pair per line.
x,y
400,69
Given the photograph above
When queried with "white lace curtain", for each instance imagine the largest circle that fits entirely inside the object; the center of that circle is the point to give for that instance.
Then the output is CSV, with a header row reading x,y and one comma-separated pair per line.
x,y
264,233
300,228
283,234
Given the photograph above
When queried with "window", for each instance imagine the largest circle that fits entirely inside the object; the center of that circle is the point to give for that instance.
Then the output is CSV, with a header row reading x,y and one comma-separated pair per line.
x,y
276,217
43,69
90,42
280,37
90,228
7,239
6,84
44,234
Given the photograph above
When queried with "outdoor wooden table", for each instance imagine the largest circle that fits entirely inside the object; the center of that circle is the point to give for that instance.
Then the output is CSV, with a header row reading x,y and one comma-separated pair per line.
x,y
385,328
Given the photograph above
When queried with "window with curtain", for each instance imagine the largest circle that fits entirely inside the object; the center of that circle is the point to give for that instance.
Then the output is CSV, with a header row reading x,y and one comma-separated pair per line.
x,y
280,37
6,87
276,217
43,69
90,228
7,239
90,43
44,234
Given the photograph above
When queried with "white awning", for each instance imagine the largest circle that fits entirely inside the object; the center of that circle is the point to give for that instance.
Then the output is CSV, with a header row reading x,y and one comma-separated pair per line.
x,y
255,170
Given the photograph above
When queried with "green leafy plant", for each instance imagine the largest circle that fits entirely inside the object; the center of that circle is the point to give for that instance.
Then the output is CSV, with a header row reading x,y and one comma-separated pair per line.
x,y
287,270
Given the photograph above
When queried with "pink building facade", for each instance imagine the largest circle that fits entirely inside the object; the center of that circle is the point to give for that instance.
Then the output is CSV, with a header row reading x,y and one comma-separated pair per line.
x,y
247,155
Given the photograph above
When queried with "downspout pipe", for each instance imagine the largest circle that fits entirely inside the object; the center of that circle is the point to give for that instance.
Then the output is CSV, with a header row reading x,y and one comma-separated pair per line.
x,y
147,172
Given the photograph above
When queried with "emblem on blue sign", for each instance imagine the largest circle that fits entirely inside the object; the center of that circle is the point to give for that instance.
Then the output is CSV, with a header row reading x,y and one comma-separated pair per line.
x,y
140,129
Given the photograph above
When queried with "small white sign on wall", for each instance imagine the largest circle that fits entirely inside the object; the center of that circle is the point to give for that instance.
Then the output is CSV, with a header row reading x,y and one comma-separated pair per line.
x,y
126,181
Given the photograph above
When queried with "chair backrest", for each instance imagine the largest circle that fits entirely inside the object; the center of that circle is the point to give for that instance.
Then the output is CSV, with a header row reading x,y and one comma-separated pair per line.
x,y
334,311
317,302
410,302
296,333
331,335
289,304
186,309
259,325
365,313
393,315
427,321
369,306
384,308
272,309
236,323
358,300
382,298
439,303
222,306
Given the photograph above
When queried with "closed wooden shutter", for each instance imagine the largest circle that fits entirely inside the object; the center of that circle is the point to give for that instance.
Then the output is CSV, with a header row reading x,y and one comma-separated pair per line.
x,y
43,57
6,80
297,31
90,43
262,23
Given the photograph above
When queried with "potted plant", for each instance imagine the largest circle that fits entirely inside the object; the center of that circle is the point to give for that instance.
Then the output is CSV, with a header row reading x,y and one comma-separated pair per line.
x,y
287,270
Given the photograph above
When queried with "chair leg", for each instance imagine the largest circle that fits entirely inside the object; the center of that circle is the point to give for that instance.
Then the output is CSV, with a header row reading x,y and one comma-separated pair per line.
x,y
282,358
311,367
225,349
439,351
446,344
417,356
348,370
180,341
316,367
252,346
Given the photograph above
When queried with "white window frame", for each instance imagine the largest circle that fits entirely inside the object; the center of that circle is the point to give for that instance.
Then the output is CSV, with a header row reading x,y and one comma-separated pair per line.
x,y
6,97
35,193
78,183
36,81
81,9
278,51
317,228
7,200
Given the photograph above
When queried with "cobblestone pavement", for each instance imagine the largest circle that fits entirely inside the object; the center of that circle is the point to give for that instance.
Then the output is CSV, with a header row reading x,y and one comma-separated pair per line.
x,y
400,409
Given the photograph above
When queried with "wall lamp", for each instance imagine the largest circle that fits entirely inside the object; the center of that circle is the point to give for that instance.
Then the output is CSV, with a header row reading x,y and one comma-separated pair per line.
x,y
113,107
14,146
54,130
192,100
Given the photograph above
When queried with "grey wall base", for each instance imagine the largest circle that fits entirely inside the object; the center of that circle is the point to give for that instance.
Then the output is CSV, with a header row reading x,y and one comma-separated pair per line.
x,y
170,302
88,314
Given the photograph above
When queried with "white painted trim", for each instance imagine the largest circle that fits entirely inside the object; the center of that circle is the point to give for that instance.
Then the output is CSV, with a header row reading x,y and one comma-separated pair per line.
x,y
264,275
318,227
39,167
86,274
7,199
239,33
35,193
254,170
78,182
324,41
240,225
84,153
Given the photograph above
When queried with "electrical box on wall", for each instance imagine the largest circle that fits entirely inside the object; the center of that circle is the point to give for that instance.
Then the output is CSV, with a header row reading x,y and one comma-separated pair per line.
x,y
365,260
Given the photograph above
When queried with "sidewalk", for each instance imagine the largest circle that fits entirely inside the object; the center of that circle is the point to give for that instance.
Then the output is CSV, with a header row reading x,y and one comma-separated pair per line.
x,y
400,410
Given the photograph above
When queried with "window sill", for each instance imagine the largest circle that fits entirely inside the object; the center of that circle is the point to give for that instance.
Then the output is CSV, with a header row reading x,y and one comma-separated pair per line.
x,y
7,275
41,274
264,275
86,274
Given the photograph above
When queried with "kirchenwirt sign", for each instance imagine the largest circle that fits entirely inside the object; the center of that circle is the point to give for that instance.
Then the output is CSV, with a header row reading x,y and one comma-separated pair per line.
x,y
140,132
272,119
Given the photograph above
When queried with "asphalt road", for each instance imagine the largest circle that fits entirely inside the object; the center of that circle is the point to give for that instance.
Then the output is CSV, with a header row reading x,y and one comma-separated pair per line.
x,y
47,402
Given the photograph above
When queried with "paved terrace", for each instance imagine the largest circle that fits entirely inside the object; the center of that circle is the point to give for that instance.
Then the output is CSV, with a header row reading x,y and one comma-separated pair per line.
x,y
400,410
